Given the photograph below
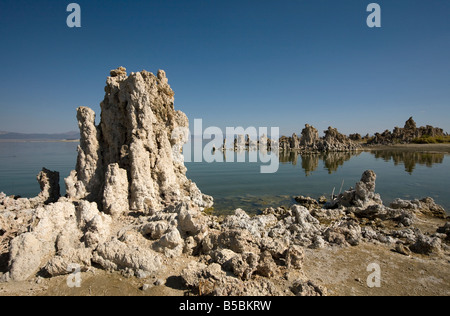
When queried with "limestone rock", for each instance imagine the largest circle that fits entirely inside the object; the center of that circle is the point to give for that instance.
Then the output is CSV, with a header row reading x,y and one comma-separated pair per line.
x,y
344,233
212,280
307,202
333,141
89,170
170,243
363,195
191,220
49,183
295,257
267,266
404,204
429,207
310,136
26,256
257,226
116,255
121,71
407,134
29,250
308,288
60,264
445,230
221,256
308,226
59,234
426,245
243,265
138,132
402,249
115,193
155,230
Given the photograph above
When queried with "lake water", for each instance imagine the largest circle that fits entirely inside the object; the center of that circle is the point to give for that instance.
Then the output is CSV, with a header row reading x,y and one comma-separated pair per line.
x,y
402,174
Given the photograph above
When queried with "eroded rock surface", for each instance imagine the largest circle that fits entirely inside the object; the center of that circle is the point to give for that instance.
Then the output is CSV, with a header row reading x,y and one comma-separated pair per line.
x,y
130,208
406,135
137,134
333,141
130,162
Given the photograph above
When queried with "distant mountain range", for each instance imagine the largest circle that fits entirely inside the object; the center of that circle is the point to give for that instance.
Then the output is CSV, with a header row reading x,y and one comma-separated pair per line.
x,y
20,136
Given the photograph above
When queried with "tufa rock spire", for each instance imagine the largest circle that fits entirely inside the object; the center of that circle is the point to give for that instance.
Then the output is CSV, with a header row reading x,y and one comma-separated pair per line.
x,y
136,139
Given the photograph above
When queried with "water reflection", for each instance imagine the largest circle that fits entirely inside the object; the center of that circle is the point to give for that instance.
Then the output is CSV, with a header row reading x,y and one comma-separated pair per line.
x,y
410,159
310,162
331,161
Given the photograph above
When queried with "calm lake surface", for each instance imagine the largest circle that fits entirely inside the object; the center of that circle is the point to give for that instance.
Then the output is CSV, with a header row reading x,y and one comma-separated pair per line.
x,y
402,174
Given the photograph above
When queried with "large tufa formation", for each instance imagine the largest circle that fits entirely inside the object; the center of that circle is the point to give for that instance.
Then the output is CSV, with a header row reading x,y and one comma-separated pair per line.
x,y
407,134
333,141
131,160
134,153
310,136
128,161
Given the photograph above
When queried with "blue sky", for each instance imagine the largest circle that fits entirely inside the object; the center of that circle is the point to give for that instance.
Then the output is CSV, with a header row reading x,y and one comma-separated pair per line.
x,y
232,63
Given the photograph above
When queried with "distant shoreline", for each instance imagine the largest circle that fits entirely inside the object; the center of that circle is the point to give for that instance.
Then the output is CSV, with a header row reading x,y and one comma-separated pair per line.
x,y
429,148
39,140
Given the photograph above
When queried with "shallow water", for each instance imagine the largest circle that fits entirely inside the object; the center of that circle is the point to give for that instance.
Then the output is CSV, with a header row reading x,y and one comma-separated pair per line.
x,y
406,175
402,174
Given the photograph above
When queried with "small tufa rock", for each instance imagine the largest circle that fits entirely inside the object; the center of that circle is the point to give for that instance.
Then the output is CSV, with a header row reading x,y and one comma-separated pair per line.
x,y
308,288
146,287
427,245
121,71
307,202
402,249
49,183
445,230
295,256
159,282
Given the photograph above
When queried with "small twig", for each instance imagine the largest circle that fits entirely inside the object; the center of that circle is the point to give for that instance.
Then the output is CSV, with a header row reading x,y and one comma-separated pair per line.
x,y
342,186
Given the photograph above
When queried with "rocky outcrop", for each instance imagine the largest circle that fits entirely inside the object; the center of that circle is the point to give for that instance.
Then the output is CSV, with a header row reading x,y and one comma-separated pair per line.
x,y
244,253
310,137
333,141
53,239
136,136
50,192
363,195
409,133
49,183
245,247
236,255
129,162
130,208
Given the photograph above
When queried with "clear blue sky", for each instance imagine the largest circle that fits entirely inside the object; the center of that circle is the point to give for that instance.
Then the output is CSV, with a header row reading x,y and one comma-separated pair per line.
x,y
250,63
